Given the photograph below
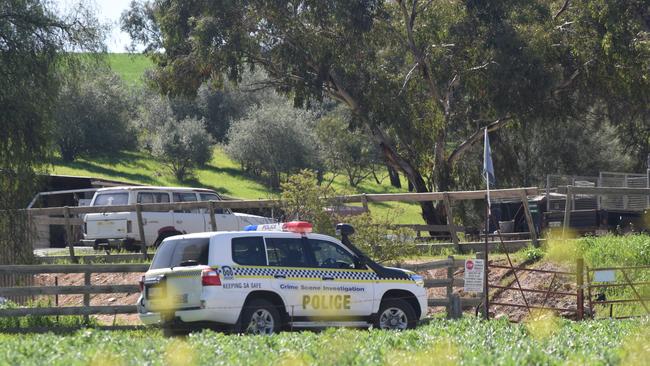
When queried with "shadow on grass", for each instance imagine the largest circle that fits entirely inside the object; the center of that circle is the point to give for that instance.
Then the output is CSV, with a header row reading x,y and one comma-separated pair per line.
x,y
193,182
96,169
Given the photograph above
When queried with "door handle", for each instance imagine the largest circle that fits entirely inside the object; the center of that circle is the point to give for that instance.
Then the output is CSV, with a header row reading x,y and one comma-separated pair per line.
x,y
279,276
327,278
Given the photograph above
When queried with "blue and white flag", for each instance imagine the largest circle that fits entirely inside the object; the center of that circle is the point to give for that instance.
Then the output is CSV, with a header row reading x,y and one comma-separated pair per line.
x,y
488,168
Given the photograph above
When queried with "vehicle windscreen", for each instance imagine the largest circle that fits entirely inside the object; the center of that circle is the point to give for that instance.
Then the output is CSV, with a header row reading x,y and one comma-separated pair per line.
x,y
174,252
111,199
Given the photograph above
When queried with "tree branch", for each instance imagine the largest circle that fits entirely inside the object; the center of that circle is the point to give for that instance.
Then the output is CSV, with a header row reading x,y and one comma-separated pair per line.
x,y
562,9
409,20
408,77
475,137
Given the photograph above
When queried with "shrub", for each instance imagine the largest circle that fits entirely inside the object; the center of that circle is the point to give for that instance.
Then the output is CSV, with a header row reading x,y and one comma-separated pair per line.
x,y
303,199
532,254
92,114
377,237
345,151
183,145
272,140
154,113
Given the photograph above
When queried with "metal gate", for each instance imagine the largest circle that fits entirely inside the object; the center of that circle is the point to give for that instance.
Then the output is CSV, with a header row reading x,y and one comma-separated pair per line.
x,y
616,290
538,298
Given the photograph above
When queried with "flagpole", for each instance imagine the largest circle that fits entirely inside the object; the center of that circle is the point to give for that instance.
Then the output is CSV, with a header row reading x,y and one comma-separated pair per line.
x,y
486,249
486,300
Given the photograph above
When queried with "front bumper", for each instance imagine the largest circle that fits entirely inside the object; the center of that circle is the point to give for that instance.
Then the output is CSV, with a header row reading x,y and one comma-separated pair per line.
x,y
424,306
108,243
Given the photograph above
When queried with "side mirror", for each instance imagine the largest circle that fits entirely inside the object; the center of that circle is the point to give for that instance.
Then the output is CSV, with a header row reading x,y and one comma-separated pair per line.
x,y
361,262
344,229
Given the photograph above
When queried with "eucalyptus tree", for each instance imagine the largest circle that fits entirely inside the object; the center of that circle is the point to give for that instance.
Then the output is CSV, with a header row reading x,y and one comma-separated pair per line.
x,y
33,43
423,78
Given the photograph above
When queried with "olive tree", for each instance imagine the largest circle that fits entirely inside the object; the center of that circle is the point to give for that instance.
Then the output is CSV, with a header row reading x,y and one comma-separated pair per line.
x,y
273,140
92,113
345,150
182,145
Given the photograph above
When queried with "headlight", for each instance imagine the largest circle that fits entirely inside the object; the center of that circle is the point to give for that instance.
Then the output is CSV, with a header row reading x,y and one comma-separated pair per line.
x,y
419,280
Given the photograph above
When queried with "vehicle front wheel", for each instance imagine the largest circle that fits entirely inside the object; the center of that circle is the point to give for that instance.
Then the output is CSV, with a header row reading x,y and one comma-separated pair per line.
x,y
395,314
260,317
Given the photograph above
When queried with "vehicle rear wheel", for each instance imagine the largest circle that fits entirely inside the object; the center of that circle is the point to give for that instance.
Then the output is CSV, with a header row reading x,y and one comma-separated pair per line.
x,y
260,317
395,314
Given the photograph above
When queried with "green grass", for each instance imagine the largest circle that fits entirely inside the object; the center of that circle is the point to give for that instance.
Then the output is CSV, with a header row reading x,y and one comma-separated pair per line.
x,y
220,174
130,67
467,342
618,251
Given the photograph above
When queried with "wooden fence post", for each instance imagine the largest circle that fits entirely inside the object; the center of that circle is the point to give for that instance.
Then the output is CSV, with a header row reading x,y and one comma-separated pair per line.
x,y
580,302
68,234
454,310
450,222
213,220
567,211
86,295
143,243
450,285
486,290
529,218
364,202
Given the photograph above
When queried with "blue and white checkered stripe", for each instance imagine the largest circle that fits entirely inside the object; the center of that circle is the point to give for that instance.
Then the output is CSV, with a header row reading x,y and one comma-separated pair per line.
x,y
305,273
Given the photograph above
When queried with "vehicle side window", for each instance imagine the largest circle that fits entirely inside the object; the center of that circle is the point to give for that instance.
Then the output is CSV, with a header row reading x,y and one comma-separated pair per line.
x,y
330,255
153,197
185,197
213,197
111,199
249,251
174,252
286,252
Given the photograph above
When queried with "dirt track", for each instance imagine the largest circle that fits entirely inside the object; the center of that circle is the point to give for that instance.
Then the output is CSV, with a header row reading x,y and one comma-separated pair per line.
x,y
77,279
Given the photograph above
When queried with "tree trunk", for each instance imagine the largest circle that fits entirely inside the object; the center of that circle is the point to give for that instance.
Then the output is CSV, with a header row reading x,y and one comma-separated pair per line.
x,y
394,177
429,213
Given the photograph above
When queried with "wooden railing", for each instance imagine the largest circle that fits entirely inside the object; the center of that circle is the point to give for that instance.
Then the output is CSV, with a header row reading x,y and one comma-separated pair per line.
x,y
69,213
86,290
452,302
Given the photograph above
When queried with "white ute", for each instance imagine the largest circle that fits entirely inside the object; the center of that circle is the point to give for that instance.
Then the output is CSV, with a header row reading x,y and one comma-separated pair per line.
x,y
120,229
275,277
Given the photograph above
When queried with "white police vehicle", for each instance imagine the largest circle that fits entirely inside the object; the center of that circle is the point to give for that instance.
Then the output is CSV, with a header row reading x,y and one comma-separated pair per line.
x,y
274,277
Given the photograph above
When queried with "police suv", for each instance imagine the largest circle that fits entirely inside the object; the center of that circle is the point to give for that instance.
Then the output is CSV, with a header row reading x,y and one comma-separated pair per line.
x,y
274,277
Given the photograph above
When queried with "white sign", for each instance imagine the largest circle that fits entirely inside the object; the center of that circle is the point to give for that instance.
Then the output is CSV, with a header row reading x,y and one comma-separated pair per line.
x,y
474,275
605,276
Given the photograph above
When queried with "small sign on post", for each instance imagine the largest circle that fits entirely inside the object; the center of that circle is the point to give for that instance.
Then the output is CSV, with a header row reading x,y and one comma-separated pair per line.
x,y
605,276
474,275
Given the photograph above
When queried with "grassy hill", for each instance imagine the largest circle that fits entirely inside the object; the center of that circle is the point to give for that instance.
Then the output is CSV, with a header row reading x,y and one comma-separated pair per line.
x,y
129,66
220,174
